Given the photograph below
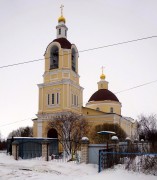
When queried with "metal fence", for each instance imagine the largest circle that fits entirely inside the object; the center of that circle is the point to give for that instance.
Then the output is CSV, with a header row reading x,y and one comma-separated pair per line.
x,y
132,161
32,147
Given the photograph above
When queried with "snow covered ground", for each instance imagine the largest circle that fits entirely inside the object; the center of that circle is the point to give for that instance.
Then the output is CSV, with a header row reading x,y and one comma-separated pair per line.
x,y
38,169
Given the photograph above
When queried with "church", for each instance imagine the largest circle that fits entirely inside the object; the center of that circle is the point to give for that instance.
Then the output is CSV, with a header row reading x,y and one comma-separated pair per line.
x,y
61,90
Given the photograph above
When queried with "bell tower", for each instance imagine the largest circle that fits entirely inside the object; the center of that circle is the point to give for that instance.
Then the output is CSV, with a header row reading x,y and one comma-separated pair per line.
x,y
60,90
61,27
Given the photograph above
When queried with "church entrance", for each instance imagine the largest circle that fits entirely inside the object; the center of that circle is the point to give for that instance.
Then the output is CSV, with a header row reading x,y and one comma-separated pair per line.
x,y
53,144
52,133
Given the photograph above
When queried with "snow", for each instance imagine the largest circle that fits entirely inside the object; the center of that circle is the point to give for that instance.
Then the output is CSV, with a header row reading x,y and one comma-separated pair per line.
x,y
85,139
106,132
37,169
114,138
127,138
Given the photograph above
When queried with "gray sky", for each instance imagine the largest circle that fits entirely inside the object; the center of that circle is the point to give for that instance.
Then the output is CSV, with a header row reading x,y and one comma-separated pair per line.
x,y
28,26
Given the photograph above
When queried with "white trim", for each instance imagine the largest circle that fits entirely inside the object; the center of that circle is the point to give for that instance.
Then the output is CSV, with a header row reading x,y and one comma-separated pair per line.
x,y
39,129
63,96
69,55
62,59
56,71
42,98
67,95
63,75
64,81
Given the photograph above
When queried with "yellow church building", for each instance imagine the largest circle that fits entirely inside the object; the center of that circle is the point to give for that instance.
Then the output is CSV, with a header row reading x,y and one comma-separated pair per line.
x,y
61,91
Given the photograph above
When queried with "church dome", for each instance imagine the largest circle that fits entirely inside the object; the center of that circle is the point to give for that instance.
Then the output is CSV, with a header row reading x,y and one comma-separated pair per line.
x,y
102,76
61,19
102,95
65,44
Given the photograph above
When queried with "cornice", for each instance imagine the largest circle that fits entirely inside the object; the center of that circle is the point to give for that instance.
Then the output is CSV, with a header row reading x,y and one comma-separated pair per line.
x,y
63,81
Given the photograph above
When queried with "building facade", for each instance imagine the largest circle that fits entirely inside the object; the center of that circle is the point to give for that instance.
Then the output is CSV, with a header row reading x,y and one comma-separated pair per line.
x,y
61,91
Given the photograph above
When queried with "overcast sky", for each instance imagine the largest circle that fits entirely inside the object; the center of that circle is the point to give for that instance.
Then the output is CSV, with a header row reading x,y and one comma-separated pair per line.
x,y
28,26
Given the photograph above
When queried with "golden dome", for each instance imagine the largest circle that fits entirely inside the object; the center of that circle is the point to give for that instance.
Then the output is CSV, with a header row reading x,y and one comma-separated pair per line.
x,y
102,76
61,19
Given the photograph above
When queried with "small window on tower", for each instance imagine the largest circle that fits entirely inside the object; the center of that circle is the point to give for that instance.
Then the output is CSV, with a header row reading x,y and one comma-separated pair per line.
x,y
59,31
48,99
75,100
65,33
111,109
97,109
72,99
54,58
73,62
53,99
57,98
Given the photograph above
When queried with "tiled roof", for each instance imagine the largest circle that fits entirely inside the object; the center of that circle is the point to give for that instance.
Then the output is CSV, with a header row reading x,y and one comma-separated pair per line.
x,y
65,44
102,95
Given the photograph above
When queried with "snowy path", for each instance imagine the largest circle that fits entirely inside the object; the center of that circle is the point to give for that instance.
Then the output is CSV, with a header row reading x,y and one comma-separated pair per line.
x,y
38,169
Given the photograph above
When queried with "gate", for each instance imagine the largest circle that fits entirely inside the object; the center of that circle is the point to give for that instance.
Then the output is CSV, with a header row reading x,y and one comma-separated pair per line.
x,y
105,159
53,147
30,148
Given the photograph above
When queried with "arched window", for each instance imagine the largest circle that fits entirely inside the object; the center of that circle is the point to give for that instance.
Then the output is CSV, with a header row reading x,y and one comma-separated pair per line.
x,y
73,58
98,109
54,58
59,31
52,133
111,109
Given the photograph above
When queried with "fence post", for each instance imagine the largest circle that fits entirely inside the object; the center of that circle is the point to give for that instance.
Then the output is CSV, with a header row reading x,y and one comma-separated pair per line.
x,y
84,150
128,140
115,141
15,150
45,149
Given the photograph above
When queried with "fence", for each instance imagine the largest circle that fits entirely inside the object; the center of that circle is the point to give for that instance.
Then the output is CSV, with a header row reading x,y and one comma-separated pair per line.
x,y
132,161
32,147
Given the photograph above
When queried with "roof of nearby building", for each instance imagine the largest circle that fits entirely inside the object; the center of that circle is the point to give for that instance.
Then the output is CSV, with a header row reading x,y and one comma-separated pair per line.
x,y
102,95
65,44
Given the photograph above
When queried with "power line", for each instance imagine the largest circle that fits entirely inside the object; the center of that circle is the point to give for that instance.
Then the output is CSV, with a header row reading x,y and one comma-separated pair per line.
x,y
136,87
86,102
116,44
16,64
15,122
91,49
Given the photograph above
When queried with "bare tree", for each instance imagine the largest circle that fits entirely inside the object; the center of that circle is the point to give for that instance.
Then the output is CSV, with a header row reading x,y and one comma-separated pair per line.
x,y
71,128
147,128
22,132
98,138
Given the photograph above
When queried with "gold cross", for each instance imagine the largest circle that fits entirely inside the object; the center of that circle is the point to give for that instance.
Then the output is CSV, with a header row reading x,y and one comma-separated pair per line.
x,y
102,69
61,10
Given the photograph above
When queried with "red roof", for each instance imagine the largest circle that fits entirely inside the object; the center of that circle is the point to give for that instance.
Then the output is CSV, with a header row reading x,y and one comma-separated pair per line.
x,y
102,95
65,44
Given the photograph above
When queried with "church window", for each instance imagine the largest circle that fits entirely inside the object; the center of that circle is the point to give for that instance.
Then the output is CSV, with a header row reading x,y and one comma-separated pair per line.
x,y
57,98
54,57
48,99
59,31
72,99
98,109
73,59
53,99
75,100
65,33
111,109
